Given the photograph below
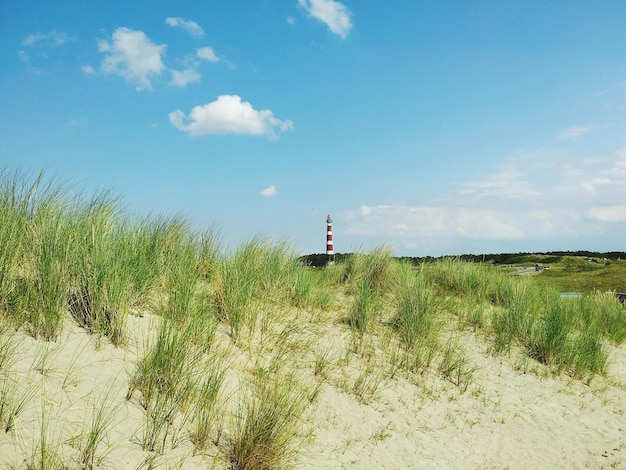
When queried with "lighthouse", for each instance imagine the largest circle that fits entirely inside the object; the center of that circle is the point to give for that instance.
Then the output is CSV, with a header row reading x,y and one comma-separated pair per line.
x,y
329,240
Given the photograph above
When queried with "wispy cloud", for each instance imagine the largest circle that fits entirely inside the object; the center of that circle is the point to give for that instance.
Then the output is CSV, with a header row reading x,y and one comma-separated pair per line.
x,y
333,14
42,44
52,39
132,55
88,70
229,115
183,78
614,213
191,27
270,191
207,53
574,132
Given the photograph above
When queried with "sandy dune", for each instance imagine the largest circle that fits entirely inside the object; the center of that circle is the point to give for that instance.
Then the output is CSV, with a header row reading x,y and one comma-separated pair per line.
x,y
513,415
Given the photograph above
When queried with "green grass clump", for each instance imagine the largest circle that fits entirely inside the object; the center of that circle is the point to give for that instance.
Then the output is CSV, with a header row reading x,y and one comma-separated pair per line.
x,y
548,340
101,278
265,433
455,366
207,407
373,268
182,273
515,321
416,320
166,366
369,277
257,272
416,307
602,312
562,334
589,356
16,200
477,282
165,376
50,236
365,306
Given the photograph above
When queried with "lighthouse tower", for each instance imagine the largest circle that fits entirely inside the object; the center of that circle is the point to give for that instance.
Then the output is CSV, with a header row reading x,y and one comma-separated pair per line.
x,y
329,240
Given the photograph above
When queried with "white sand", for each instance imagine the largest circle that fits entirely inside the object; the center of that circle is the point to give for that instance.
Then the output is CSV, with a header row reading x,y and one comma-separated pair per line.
x,y
508,417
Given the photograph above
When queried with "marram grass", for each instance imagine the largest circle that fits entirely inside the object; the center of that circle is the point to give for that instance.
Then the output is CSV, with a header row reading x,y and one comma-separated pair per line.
x,y
65,259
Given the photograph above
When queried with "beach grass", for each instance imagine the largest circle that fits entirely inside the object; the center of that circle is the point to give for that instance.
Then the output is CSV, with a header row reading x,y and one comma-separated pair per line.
x,y
232,347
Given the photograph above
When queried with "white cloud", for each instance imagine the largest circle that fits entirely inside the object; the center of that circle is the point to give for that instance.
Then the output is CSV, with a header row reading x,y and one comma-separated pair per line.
x,y
131,54
207,53
228,115
182,79
334,14
590,186
574,132
88,69
52,39
530,196
615,213
190,26
270,191
290,20
416,222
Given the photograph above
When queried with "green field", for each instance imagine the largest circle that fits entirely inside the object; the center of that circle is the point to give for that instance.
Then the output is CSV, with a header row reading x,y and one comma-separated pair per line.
x,y
580,274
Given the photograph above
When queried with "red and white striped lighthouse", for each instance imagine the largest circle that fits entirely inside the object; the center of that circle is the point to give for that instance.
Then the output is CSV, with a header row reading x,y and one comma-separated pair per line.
x,y
329,240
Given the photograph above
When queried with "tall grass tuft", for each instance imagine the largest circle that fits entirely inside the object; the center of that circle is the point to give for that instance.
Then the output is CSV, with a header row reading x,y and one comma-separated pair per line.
x,y
258,270
605,314
548,341
589,356
52,238
233,296
265,434
181,256
369,278
374,268
17,197
455,366
416,319
167,366
364,307
515,320
208,402
102,281
416,307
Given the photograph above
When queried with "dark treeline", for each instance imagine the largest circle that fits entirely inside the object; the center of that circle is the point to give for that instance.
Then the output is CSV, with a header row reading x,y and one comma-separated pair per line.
x,y
320,259
547,257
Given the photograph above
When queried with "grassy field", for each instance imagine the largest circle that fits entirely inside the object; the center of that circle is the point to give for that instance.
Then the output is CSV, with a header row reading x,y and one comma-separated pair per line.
x,y
230,354
585,276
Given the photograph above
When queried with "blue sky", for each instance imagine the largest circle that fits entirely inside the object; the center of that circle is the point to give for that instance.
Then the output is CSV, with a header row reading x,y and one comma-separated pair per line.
x,y
443,127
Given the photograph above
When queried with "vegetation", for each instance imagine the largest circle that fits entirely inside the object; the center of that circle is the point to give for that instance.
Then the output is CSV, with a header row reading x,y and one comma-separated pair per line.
x,y
84,260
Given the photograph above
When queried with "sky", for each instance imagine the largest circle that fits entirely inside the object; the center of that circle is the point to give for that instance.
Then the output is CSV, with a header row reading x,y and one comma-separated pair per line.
x,y
437,128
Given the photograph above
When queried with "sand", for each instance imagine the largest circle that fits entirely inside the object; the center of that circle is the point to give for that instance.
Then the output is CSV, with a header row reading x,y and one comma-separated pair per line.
x,y
514,414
